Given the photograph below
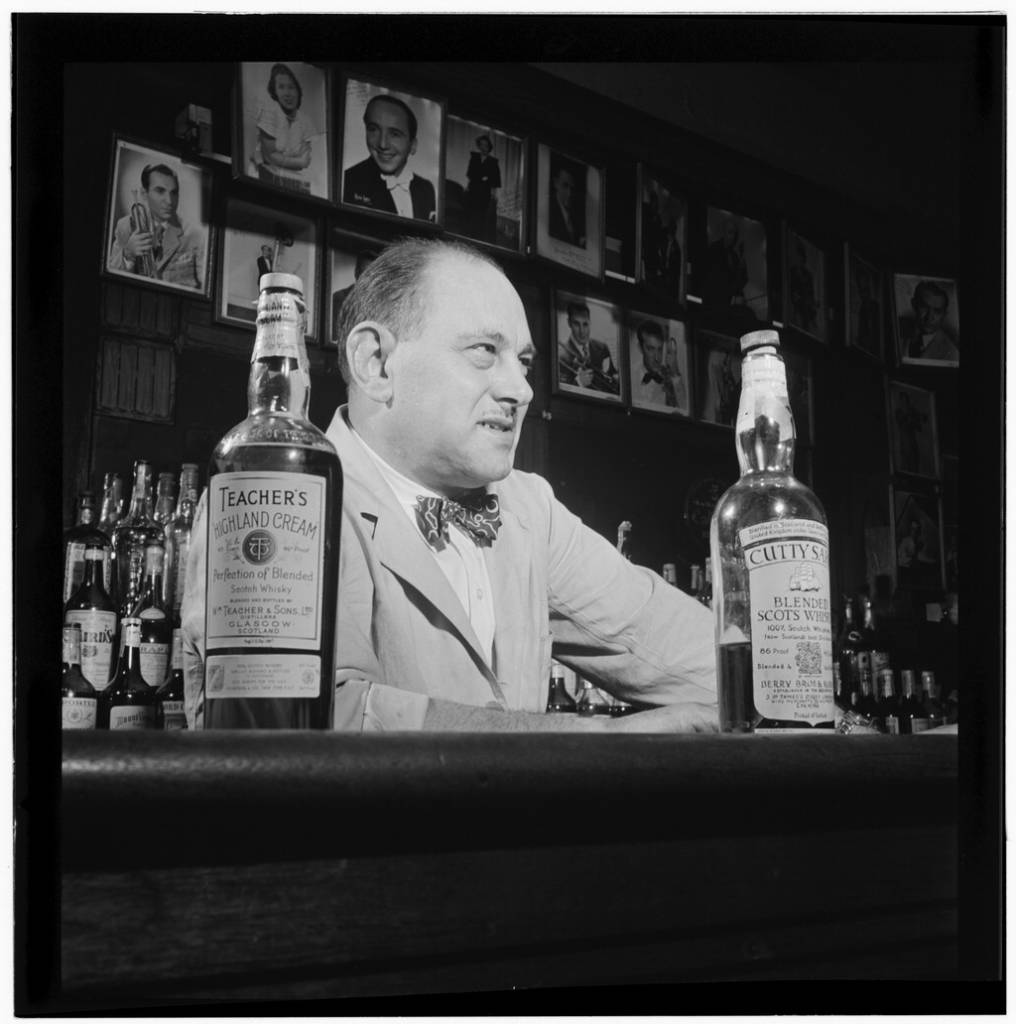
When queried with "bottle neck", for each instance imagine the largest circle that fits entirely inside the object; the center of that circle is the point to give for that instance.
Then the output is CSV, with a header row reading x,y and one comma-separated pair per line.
x,y
279,382
765,424
141,496
86,512
94,564
278,386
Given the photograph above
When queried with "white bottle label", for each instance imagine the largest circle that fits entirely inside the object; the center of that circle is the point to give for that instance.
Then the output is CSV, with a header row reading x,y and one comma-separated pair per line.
x,y
97,632
78,712
791,629
282,675
74,568
154,661
132,717
172,715
266,551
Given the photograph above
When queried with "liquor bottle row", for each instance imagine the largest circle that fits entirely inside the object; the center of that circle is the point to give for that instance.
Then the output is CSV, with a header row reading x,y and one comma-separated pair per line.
x,y
582,697
700,584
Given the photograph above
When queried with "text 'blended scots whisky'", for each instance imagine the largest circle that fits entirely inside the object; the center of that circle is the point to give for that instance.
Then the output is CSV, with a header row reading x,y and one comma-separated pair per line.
x,y
770,557
274,512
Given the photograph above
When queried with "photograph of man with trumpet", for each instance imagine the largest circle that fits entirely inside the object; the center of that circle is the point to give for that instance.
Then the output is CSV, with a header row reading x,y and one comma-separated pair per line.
x,y
151,237
585,364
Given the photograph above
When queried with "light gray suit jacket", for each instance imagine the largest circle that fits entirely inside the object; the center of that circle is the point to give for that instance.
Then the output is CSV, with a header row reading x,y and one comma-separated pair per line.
x,y
404,637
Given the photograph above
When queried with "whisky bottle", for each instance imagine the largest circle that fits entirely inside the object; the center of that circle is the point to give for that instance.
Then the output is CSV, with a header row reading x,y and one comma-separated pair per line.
x,y
591,701
92,609
77,695
156,629
131,536
169,697
933,709
165,499
912,718
274,515
872,638
178,533
112,504
128,702
888,710
558,697
865,702
847,645
83,532
769,545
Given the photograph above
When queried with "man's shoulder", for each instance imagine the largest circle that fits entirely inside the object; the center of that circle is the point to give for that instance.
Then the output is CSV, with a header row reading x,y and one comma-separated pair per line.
x,y
364,169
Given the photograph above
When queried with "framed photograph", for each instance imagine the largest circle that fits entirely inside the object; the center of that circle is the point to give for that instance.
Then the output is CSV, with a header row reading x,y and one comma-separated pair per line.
x,y
658,364
392,152
569,211
927,320
718,377
918,535
282,126
662,236
260,240
734,276
913,430
348,257
799,391
485,184
804,292
864,290
589,339
158,219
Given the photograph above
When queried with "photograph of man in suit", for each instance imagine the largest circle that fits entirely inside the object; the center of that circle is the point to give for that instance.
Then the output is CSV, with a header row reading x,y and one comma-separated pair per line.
x,y
567,210
655,378
923,333
583,361
383,181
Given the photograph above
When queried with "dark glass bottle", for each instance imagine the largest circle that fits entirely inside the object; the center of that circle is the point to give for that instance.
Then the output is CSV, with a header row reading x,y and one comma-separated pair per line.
x,y
888,716
558,697
128,702
274,516
591,701
156,629
847,645
934,710
85,531
165,499
131,536
865,703
112,504
769,549
873,638
706,594
912,717
92,609
170,713
77,695
178,533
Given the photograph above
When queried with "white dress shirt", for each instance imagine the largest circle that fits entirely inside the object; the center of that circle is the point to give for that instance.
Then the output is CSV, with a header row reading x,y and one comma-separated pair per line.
x,y
398,186
461,559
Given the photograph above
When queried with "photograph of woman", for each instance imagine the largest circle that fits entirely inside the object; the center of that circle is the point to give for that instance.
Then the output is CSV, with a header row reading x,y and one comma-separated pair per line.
x,y
284,125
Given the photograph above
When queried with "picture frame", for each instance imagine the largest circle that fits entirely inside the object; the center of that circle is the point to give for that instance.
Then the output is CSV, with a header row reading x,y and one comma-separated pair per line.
x,y
662,236
717,377
582,320
293,244
800,390
282,127
404,138
348,255
575,241
732,276
864,291
918,539
158,188
804,286
659,364
486,177
926,320
913,430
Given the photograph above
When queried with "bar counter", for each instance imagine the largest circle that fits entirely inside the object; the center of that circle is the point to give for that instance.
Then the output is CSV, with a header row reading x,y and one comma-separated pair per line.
x,y
208,867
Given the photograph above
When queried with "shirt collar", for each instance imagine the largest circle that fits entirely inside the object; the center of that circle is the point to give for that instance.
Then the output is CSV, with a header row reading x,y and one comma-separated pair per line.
x,y
403,178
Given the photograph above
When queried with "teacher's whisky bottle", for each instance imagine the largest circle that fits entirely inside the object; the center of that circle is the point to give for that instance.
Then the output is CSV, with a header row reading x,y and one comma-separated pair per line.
x,y
274,514
769,544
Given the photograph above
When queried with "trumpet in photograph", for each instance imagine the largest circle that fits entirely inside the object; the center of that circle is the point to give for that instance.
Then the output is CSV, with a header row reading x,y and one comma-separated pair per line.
x,y
141,222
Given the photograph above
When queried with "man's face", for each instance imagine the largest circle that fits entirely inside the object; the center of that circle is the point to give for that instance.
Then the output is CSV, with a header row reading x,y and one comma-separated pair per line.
x,y
287,93
388,136
163,195
930,310
579,324
459,388
564,185
652,352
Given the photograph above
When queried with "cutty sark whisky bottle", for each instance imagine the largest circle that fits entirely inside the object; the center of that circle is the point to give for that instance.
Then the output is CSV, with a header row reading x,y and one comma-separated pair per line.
x,y
274,512
769,545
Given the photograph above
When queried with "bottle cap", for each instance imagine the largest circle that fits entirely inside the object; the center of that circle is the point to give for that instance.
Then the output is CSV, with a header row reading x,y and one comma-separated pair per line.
x,y
756,339
290,281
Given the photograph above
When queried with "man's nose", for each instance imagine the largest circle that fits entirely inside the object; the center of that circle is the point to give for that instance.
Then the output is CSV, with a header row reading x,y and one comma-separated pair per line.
x,y
511,384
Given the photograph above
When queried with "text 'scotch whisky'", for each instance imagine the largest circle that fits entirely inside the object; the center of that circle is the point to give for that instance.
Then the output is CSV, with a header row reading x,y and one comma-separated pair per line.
x,y
274,513
770,556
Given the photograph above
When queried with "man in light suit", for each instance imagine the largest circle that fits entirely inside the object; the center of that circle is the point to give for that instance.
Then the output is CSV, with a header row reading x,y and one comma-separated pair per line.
x,y
383,181
458,574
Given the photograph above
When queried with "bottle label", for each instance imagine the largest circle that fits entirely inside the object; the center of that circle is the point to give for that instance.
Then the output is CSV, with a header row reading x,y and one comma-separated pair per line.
x,y
74,568
282,675
132,716
266,550
765,371
154,661
172,715
71,646
78,712
281,325
791,623
98,629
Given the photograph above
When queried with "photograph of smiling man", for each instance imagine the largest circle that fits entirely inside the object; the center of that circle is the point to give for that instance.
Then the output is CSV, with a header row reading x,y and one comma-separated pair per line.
x,y
391,151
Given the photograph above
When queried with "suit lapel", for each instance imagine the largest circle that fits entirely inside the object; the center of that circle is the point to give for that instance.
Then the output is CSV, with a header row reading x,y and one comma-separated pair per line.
x,y
511,599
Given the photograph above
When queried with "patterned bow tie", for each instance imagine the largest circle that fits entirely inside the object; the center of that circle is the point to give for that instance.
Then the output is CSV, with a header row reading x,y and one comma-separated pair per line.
x,y
479,515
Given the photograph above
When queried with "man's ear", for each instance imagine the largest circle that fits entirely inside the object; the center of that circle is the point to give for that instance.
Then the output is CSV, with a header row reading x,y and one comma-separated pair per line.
x,y
368,347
